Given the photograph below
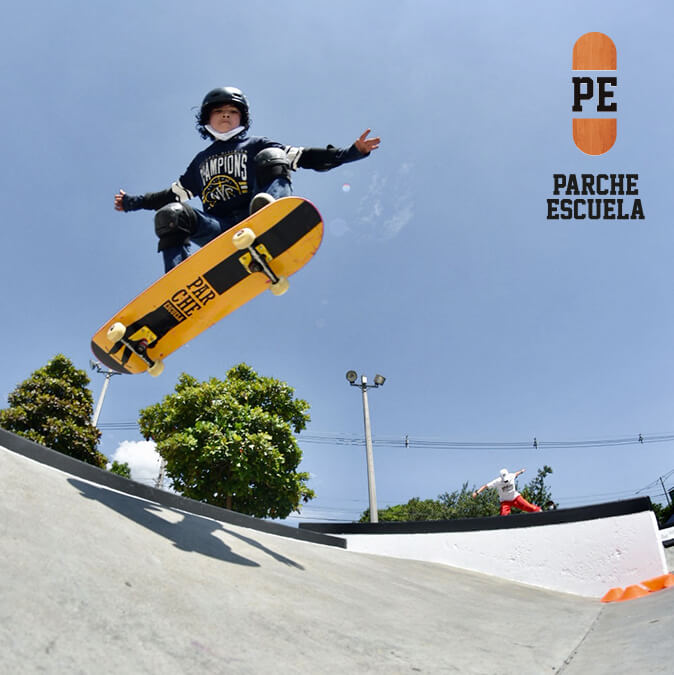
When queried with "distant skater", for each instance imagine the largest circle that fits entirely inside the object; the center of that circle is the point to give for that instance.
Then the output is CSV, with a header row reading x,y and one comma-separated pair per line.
x,y
508,494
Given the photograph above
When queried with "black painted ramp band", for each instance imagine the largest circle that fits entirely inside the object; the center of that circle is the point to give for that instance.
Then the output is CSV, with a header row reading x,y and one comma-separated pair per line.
x,y
39,453
608,510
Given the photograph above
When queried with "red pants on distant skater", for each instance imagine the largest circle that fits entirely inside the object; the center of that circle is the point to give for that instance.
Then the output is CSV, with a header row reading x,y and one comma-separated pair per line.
x,y
519,503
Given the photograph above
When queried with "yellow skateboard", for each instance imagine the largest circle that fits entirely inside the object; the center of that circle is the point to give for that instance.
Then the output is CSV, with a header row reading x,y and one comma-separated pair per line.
x,y
257,254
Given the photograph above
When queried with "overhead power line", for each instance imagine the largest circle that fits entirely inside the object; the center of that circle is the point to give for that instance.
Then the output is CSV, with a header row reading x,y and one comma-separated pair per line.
x,y
338,439
534,444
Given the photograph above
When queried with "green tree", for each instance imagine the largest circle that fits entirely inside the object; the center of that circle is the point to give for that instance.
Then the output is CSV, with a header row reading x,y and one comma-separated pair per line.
x,y
460,503
415,509
230,443
54,408
121,469
449,505
663,513
536,491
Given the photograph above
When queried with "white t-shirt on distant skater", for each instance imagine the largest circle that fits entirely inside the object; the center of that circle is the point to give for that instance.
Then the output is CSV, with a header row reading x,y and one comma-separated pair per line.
x,y
505,484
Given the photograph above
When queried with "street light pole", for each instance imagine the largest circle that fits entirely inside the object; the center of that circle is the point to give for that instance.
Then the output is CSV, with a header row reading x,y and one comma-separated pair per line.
x,y
379,380
371,489
108,374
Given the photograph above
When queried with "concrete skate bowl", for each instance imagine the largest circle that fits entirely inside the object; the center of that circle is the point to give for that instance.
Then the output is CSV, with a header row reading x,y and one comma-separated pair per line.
x,y
99,574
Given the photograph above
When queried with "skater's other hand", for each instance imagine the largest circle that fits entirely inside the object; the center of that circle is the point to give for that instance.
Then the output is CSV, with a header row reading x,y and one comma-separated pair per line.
x,y
367,145
118,201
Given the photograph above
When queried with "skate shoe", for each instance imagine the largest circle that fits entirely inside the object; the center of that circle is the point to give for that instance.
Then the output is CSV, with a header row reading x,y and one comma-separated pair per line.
x,y
260,200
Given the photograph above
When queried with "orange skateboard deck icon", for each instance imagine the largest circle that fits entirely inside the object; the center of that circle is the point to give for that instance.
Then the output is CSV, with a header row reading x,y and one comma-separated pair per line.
x,y
259,253
594,51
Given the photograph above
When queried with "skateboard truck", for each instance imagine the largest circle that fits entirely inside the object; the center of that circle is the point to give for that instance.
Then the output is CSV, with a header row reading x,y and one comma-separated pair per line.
x,y
137,343
256,258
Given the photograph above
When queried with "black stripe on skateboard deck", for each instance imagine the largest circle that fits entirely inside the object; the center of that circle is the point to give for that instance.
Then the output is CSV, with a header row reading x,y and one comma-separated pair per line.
x,y
107,360
287,232
159,320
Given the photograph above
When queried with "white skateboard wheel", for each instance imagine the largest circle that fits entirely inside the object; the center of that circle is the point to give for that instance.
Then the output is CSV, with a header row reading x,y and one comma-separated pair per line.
x,y
156,369
280,287
243,238
116,332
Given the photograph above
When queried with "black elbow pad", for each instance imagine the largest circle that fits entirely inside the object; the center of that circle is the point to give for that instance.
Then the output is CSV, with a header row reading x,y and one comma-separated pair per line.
x,y
320,159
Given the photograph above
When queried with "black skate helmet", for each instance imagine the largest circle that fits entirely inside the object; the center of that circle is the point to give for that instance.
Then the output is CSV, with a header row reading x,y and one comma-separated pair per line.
x,y
221,96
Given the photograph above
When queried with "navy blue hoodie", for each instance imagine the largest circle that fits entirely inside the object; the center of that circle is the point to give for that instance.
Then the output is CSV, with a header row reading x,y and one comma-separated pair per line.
x,y
223,175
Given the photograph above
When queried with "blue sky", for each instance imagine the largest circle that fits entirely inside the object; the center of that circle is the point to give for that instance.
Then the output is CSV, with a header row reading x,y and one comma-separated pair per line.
x,y
438,269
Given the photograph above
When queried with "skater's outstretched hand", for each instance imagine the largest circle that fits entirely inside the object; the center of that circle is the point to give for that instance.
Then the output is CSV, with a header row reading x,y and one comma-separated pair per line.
x,y
366,145
118,201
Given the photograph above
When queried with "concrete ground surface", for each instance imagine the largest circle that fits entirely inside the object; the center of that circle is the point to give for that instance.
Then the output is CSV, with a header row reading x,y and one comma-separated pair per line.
x,y
97,581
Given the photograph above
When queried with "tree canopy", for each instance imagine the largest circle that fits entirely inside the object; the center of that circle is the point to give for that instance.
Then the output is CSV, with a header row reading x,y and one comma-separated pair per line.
x,y
663,512
537,492
230,443
54,407
121,469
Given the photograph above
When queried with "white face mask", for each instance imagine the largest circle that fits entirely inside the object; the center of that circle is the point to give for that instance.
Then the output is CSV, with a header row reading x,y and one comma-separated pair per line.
x,y
226,136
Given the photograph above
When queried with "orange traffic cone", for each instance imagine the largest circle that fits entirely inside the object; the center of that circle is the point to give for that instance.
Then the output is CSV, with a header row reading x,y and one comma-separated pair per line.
x,y
658,583
632,592
613,595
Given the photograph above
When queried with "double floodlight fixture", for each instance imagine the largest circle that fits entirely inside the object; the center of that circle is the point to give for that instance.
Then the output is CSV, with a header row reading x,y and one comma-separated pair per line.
x,y
352,376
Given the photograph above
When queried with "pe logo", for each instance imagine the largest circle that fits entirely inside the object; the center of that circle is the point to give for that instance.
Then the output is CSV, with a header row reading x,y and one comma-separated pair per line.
x,y
593,93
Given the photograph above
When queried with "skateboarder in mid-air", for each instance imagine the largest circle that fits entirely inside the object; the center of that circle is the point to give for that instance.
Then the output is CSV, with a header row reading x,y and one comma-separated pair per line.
x,y
508,494
234,176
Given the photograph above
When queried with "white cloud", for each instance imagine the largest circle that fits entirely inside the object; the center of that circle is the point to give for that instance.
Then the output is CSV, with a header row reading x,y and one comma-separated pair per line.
x,y
143,459
388,205
338,227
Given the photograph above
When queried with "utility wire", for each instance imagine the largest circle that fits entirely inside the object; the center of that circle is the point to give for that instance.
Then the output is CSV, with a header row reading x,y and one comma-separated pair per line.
x,y
654,489
337,439
410,442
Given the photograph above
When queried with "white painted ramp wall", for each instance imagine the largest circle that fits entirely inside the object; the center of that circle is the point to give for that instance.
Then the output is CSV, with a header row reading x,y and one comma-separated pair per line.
x,y
584,558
